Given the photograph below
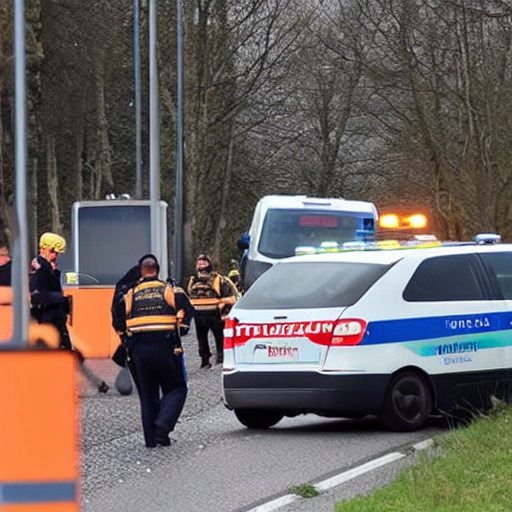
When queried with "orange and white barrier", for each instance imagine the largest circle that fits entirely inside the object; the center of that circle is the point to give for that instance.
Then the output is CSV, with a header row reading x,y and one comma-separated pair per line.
x,y
39,441
89,323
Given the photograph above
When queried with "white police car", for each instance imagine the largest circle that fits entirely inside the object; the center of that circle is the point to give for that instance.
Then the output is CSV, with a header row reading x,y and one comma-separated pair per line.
x,y
397,333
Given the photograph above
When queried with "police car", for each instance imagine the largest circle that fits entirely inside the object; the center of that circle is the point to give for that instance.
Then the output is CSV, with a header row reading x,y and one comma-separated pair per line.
x,y
399,333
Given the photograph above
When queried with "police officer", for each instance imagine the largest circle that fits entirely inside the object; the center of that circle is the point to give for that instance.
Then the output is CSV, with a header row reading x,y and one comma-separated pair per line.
x,y
152,310
213,296
48,303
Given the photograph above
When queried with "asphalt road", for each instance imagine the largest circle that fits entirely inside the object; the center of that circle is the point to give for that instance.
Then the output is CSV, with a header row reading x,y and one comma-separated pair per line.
x,y
216,464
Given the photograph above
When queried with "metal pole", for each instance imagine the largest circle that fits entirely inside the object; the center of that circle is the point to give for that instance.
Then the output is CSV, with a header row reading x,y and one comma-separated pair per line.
x,y
20,259
154,132
178,219
136,65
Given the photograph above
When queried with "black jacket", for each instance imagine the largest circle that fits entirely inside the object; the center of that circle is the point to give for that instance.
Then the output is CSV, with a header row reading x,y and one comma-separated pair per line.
x,y
122,286
47,300
5,274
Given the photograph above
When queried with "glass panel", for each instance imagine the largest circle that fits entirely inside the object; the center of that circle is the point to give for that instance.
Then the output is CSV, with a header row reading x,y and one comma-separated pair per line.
x,y
103,231
501,266
311,285
284,230
447,278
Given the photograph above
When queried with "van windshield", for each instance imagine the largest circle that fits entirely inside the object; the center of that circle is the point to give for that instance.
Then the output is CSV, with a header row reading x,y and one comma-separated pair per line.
x,y
285,230
303,285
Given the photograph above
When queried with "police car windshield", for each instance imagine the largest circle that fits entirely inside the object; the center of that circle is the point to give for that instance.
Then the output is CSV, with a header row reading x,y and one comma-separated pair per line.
x,y
284,230
295,285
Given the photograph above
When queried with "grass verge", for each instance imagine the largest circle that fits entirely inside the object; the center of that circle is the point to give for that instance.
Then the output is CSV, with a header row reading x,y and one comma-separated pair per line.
x,y
305,491
473,474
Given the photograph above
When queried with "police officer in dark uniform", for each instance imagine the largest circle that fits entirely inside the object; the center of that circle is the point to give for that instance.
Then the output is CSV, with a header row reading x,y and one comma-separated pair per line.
x,y
48,303
153,310
212,295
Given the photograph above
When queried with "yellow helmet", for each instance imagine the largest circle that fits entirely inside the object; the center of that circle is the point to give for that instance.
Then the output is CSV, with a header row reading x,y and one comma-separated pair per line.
x,y
52,241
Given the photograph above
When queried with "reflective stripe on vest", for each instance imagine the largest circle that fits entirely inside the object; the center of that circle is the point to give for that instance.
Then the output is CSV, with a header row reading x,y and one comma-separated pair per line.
x,y
206,304
151,323
16,493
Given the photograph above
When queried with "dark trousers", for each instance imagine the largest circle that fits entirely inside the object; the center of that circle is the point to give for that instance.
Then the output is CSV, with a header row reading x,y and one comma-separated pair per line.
x,y
65,339
162,384
58,320
203,325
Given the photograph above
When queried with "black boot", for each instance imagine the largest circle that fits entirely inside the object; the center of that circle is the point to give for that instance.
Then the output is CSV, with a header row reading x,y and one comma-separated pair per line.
x,y
205,362
162,437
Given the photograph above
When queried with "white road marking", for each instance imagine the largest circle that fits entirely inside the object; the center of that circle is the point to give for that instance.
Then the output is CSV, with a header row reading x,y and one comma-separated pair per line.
x,y
358,471
276,504
336,480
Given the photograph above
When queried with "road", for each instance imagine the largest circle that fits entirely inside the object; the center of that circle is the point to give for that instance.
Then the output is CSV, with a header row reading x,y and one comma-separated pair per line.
x,y
216,464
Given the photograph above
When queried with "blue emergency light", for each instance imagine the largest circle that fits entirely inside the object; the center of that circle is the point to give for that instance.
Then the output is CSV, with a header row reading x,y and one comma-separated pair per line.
x,y
488,238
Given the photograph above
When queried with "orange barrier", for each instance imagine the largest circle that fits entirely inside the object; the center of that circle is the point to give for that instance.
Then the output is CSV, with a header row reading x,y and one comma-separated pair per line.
x,y
5,322
5,295
89,323
39,441
5,312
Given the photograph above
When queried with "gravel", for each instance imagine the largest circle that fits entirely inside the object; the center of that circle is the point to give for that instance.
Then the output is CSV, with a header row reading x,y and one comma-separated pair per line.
x,y
110,427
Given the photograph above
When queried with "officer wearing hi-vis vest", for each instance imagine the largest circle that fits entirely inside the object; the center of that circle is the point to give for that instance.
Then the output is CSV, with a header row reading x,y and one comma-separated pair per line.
x,y
212,295
154,330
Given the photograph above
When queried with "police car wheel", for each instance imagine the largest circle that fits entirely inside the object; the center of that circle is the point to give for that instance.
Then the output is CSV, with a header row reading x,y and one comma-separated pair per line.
x,y
258,418
408,403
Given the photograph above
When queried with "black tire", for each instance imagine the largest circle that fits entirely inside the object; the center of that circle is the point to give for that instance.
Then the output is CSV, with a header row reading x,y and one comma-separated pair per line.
x,y
258,418
408,403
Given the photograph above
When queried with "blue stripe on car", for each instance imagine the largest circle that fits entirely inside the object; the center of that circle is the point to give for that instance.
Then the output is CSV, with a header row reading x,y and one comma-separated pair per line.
x,y
431,328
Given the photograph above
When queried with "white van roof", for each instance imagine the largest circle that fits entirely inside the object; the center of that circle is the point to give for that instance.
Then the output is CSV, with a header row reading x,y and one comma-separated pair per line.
x,y
306,202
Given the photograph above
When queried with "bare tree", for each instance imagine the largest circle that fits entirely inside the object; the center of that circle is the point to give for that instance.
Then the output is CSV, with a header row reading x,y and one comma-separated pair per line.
x,y
232,49
6,75
442,68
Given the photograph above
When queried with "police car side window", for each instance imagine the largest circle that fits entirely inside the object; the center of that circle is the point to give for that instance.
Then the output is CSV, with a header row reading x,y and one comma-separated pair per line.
x,y
446,278
500,264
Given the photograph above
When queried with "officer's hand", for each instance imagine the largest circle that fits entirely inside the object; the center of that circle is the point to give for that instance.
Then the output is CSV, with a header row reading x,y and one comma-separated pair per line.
x,y
184,331
34,265
125,339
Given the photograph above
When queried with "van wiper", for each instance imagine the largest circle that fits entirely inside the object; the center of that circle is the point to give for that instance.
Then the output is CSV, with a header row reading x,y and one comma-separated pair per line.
x,y
276,256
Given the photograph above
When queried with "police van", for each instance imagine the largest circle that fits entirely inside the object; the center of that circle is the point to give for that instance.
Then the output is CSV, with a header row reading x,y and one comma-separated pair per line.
x,y
282,224
398,333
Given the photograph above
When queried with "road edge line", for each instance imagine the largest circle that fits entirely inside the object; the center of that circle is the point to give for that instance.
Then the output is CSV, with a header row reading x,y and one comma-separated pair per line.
x,y
342,478
270,506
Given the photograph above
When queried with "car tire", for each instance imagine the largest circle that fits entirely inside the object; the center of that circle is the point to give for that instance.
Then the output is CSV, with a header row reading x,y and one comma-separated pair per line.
x,y
258,418
408,403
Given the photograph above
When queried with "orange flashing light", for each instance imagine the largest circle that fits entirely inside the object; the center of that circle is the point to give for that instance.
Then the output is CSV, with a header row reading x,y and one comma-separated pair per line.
x,y
393,221
417,221
389,221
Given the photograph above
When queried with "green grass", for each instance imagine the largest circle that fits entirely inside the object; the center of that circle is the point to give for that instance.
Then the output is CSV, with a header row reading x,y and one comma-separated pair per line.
x,y
472,474
306,491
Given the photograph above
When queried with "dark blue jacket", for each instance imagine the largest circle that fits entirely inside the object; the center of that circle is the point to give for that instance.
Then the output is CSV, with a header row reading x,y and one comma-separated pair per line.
x,y
47,300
